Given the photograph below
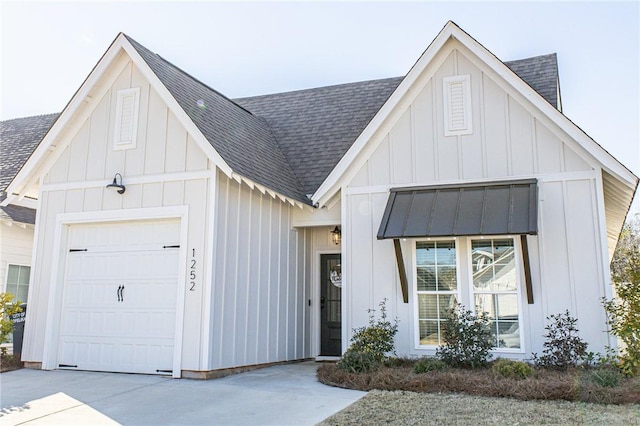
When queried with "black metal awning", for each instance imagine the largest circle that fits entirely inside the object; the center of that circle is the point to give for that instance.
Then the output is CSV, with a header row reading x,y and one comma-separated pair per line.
x,y
488,208
495,208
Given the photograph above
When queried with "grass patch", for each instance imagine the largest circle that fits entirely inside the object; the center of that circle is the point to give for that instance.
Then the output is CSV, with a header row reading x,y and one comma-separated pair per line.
x,y
570,385
9,363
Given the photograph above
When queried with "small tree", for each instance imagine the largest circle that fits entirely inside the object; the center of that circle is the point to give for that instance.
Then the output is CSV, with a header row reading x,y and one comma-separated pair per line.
x,y
468,339
563,348
623,313
8,307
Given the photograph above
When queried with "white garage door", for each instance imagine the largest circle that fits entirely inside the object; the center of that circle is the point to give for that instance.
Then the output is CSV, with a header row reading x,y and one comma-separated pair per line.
x,y
120,296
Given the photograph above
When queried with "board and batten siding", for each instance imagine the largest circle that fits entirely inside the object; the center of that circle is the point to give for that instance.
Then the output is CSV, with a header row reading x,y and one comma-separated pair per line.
x,y
16,246
511,139
166,168
261,284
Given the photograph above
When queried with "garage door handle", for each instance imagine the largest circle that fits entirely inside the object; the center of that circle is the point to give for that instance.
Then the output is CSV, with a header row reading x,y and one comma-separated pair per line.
x,y
120,293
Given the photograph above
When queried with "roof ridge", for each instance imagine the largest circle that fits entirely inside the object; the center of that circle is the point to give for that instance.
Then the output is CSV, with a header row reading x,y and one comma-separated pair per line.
x,y
30,117
533,57
331,86
197,80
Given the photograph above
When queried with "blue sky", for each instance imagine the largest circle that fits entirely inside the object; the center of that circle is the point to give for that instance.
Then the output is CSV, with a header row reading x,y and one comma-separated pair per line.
x,y
251,48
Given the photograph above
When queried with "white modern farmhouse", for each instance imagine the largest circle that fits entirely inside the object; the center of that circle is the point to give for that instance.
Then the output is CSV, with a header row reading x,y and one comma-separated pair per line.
x,y
180,232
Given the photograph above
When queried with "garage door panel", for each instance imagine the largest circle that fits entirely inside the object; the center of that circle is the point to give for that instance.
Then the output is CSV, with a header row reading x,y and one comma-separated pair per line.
x,y
119,297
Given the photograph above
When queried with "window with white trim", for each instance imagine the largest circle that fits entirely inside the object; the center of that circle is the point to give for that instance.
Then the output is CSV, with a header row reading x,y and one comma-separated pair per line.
x,y
488,283
126,123
495,288
437,287
18,281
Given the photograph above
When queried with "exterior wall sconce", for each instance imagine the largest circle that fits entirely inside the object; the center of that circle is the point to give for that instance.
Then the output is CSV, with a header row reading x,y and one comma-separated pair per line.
x,y
336,236
115,184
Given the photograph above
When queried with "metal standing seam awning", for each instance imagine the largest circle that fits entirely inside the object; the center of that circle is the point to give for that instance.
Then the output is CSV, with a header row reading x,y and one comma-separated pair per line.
x,y
487,208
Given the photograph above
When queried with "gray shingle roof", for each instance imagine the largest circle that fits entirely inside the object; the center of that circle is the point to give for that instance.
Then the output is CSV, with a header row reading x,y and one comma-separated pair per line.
x,y
288,142
243,140
316,127
18,214
18,138
541,73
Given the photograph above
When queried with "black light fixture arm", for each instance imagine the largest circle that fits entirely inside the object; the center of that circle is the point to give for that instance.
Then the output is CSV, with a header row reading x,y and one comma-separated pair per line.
x,y
115,184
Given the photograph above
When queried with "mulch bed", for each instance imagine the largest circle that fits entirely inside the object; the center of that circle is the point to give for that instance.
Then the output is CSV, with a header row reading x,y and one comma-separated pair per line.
x,y
573,385
9,363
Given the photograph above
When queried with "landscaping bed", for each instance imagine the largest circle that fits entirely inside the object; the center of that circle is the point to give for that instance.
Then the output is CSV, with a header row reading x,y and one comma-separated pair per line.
x,y
9,362
576,384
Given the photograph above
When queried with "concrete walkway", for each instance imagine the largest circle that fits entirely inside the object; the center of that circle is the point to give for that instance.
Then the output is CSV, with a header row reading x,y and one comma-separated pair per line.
x,y
283,395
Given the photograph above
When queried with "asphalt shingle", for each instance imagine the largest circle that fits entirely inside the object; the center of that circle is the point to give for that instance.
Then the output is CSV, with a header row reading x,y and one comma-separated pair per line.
x,y
243,140
288,142
541,73
18,138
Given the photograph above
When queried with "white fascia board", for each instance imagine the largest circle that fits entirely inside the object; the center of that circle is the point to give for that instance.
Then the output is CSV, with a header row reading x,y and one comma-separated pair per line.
x,y
182,116
91,90
334,181
82,95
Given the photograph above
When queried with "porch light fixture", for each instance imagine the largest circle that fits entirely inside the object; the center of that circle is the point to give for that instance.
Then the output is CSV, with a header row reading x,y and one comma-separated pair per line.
x,y
115,184
336,236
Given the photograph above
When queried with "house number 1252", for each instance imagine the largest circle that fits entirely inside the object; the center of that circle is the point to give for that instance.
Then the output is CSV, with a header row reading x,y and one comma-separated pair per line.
x,y
192,271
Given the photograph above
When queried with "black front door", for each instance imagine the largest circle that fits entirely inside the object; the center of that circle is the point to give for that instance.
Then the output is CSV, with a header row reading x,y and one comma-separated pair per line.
x,y
330,305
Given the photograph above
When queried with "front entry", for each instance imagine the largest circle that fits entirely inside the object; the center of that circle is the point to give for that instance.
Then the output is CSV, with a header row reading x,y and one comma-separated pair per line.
x,y
330,305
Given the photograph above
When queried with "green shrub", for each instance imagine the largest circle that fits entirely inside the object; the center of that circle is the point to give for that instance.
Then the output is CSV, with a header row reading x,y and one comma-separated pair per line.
x,y
354,361
8,306
623,312
606,377
468,339
512,369
563,348
378,337
426,364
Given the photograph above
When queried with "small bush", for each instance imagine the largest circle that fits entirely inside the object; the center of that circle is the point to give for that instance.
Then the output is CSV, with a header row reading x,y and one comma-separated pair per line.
x,y
563,348
8,307
354,361
426,364
606,377
468,339
512,369
378,337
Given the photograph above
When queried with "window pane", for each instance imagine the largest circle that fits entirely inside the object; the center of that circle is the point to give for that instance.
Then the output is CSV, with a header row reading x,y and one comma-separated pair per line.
x,y
427,306
446,303
485,303
446,253
429,333
12,274
447,280
18,281
494,267
426,279
494,274
436,273
425,253
21,294
23,276
508,334
507,306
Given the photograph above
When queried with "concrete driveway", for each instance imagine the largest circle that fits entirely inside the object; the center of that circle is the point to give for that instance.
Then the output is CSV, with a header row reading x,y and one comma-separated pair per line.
x,y
283,395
